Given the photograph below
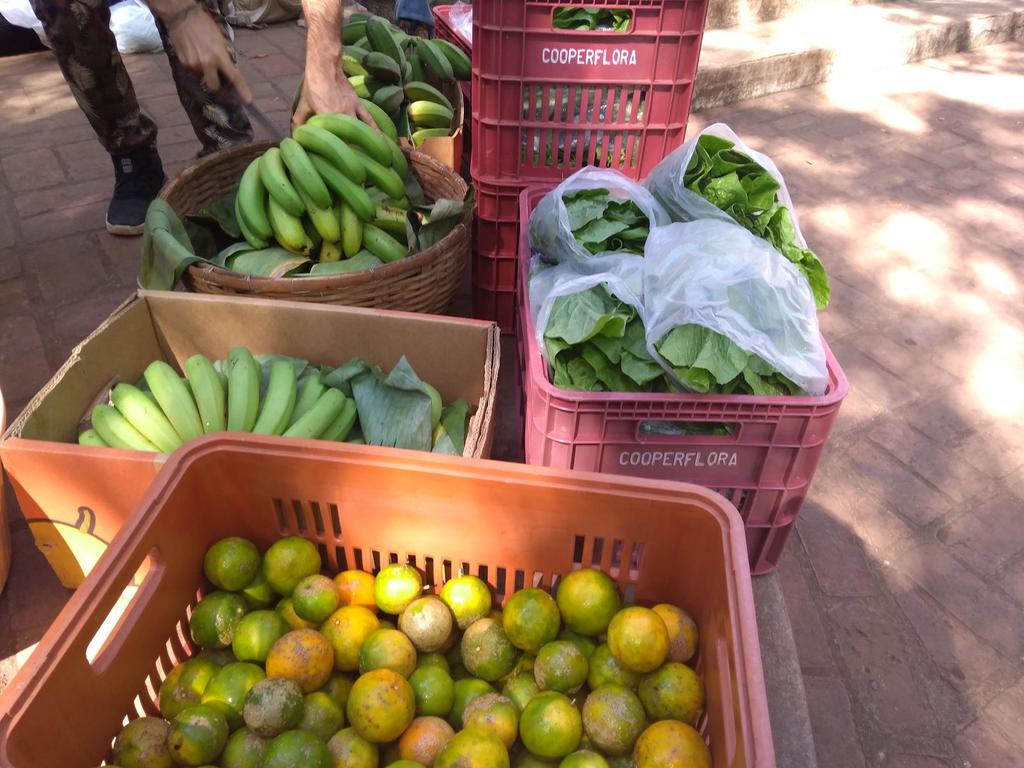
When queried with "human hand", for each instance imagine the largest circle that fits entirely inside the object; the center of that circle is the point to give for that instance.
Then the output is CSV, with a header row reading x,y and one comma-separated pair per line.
x,y
335,96
200,46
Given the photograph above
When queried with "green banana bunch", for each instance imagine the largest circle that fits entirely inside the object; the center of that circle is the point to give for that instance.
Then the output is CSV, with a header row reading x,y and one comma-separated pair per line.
x,y
279,401
318,194
243,390
145,415
209,399
208,390
175,399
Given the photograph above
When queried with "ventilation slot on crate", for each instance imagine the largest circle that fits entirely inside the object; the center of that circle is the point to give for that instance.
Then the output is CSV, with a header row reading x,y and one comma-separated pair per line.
x,y
584,126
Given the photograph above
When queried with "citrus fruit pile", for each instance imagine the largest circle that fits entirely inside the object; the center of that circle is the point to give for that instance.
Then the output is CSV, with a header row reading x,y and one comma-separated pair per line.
x,y
301,670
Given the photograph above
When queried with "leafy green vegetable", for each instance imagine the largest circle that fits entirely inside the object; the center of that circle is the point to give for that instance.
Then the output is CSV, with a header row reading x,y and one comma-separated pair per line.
x,y
590,19
708,362
736,184
595,343
601,222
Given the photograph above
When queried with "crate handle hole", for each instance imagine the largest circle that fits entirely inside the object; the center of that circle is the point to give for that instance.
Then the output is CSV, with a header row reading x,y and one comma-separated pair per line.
x,y
591,18
652,430
106,642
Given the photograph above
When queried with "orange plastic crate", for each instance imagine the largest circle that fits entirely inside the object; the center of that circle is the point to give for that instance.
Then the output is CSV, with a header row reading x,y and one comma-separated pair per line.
x,y
510,524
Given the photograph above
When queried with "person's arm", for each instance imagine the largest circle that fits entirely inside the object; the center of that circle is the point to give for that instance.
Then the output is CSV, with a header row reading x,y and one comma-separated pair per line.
x,y
199,44
325,89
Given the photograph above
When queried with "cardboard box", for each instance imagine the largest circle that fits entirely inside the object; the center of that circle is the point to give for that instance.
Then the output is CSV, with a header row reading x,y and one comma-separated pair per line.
x,y
448,149
75,499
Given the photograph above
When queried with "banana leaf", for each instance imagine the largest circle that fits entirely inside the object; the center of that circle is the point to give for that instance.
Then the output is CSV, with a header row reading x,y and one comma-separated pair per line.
x,y
394,410
269,262
454,421
361,261
166,249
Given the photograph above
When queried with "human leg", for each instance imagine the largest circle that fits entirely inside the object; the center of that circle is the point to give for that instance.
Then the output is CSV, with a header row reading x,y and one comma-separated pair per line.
x,y
218,118
79,31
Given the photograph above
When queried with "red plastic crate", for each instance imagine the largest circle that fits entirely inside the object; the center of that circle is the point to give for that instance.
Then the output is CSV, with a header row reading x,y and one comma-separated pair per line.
x,y
496,252
549,101
764,467
444,30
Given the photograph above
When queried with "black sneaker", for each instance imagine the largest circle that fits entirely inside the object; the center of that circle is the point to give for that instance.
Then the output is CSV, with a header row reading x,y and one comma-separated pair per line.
x,y
138,177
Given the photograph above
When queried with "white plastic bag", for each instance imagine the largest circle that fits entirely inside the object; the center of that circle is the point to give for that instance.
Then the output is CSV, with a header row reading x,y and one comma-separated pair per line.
x,y
461,18
549,223
718,275
665,181
622,273
20,14
134,28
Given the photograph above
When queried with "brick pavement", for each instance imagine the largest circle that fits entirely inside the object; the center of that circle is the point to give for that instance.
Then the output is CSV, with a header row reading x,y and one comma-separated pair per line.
x,y
905,583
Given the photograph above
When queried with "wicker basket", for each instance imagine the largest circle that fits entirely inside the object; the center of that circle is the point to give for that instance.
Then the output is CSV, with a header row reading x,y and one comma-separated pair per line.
x,y
424,282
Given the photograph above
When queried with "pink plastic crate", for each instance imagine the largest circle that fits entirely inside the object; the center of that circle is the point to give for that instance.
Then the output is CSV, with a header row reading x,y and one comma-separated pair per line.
x,y
765,467
549,101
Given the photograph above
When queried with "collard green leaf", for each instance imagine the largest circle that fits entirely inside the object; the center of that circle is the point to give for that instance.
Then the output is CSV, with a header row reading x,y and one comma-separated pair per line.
x,y
600,222
746,191
579,316
610,346
820,287
725,191
721,358
583,377
643,371
600,230
683,344
585,206
606,372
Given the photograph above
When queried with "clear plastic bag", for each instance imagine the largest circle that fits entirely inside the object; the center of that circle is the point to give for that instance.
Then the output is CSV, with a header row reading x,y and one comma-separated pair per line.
x,y
461,18
733,188
665,181
20,14
550,233
134,28
621,273
718,275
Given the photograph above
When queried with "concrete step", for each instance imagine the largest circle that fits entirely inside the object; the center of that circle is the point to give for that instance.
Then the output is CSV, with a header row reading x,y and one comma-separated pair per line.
x,y
723,14
827,41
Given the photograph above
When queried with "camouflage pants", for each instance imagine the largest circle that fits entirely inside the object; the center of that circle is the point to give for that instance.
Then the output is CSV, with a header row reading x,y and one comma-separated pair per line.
x,y
79,31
